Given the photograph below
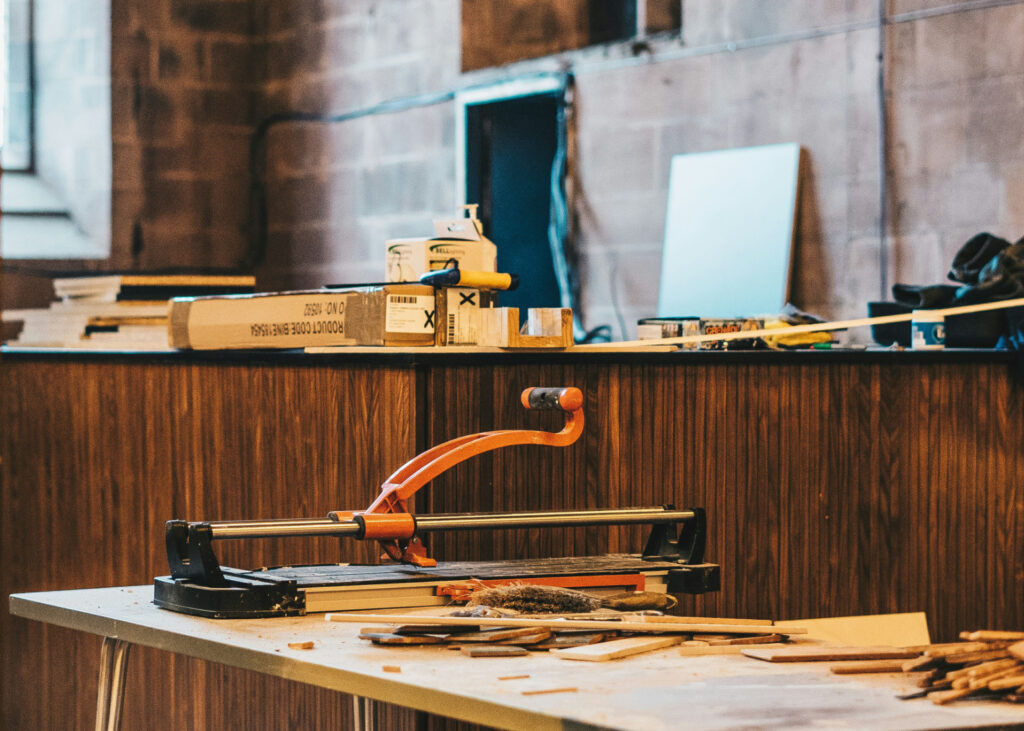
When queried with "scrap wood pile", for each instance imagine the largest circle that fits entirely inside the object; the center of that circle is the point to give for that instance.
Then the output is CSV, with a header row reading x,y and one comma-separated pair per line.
x,y
522,618
987,663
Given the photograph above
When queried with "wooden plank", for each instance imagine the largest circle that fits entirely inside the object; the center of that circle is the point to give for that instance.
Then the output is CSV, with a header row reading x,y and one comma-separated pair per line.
x,y
556,624
616,648
697,651
897,630
868,666
819,654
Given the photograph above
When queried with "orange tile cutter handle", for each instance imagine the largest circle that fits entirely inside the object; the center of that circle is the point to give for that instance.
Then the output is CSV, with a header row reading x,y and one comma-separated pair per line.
x,y
388,518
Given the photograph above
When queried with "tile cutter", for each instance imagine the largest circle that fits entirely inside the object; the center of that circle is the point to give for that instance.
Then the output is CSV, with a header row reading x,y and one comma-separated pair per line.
x,y
672,559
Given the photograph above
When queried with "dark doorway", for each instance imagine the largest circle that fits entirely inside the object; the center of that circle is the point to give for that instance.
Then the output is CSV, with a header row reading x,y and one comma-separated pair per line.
x,y
510,149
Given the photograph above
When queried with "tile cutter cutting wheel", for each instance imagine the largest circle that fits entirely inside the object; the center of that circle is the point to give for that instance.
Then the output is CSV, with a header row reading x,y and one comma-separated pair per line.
x,y
198,584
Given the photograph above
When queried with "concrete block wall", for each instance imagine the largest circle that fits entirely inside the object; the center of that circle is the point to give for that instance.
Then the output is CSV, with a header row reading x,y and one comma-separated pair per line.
x,y
807,73
338,191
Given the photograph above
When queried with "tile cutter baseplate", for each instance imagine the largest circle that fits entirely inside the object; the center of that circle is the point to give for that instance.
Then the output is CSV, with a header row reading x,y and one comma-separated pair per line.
x,y
672,559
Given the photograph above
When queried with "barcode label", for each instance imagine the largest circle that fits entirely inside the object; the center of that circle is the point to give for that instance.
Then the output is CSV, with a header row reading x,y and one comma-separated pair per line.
x,y
409,314
451,327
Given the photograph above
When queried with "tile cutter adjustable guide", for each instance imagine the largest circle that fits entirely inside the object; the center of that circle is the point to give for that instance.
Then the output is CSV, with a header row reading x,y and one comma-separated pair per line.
x,y
671,561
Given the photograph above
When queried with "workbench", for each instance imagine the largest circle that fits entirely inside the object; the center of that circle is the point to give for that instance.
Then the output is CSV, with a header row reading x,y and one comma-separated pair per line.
x,y
657,690
836,483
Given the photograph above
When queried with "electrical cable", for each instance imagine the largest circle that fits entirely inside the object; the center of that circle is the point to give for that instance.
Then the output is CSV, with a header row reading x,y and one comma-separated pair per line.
x,y
883,166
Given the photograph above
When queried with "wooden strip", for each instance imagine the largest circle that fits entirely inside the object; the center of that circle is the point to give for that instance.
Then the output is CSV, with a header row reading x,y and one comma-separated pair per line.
x,y
984,680
616,648
701,650
494,651
943,697
972,657
987,635
918,663
546,691
954,648
1011,681
557,624
757,640
499,635
695,620
1017,650
818,654
870,666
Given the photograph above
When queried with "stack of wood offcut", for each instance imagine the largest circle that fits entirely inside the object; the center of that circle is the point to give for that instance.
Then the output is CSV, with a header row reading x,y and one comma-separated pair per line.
x,y
986,663
595,637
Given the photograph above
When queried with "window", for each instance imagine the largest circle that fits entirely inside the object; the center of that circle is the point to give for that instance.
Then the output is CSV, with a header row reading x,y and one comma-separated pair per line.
x,y
56,142
15,62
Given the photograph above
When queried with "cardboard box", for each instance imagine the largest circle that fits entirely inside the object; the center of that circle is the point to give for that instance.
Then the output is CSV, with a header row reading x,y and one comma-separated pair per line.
x,y
458,242
458,314
398,314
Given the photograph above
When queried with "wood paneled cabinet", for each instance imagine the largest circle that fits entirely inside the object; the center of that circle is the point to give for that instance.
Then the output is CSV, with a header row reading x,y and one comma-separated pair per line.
x,y
835,484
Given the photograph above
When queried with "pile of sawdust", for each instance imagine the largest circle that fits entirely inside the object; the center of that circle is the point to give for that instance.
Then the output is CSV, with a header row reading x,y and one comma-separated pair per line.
x,y
533,599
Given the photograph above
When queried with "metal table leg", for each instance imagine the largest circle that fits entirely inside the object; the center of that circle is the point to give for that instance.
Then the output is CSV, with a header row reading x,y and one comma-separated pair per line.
x,y
110,697
362,713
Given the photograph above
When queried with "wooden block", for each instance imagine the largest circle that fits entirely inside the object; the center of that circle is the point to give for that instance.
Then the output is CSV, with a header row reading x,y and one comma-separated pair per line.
x,y
1017,650
616,648
391,668
819,654
494,651
709,638
868,666
307,645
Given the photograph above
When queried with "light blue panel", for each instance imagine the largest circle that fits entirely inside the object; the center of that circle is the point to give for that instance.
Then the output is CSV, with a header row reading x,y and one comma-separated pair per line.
x,y
729,232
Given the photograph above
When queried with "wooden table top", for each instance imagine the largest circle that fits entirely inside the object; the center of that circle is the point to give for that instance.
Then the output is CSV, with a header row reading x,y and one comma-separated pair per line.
x,y
656,690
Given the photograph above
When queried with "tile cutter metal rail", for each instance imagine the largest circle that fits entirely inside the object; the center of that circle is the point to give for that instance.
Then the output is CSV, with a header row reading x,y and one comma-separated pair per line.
x,y
671,560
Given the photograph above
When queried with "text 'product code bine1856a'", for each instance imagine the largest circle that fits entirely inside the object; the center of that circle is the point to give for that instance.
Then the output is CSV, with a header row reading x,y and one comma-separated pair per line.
x,y
307,327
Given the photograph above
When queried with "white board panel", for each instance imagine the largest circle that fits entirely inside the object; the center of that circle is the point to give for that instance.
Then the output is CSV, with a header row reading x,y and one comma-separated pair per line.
x,y
729,232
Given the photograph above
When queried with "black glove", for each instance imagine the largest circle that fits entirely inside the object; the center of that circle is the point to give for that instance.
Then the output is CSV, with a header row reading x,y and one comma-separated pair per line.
x,y
974,255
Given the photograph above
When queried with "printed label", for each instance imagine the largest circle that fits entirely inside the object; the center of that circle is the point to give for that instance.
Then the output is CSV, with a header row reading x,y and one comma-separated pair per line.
x,y
408,313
